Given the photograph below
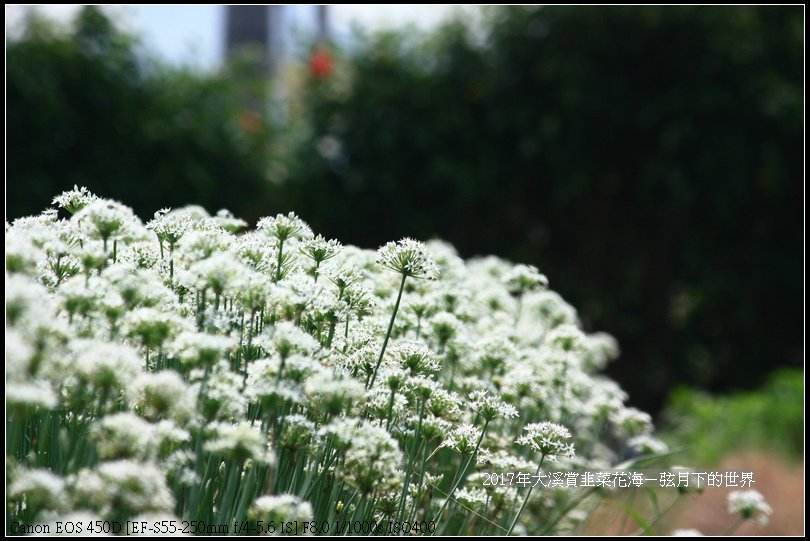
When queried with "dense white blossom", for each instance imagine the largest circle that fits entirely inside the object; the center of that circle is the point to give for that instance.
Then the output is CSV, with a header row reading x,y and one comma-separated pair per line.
x,y
522,278
35,393
122,487
74,200
40,489
281,508
489,406
647,445
162,395
373,456
320,249
408,257
257,375
105,220
749,504
463,439
227,221
123,435
237,442
283,227
549,439
687,532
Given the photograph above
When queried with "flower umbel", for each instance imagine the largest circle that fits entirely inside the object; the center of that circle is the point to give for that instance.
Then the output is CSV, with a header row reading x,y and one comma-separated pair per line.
x,y
749,504
490,406
408,257
74,200
283,227
548,438
523,278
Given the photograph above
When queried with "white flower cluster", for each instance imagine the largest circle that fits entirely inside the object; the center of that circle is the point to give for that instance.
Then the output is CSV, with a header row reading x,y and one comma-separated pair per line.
x,y
409,258
548,439
279,509
746,505
185,369
749,504
522,278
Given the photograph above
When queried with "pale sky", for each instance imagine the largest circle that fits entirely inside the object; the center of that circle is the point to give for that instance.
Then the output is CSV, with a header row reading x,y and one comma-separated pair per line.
x,y
194,34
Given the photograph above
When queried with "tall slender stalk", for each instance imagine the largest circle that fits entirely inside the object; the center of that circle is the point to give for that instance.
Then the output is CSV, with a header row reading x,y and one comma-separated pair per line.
x,y
278,260
388,333
526,499
462,473
733,528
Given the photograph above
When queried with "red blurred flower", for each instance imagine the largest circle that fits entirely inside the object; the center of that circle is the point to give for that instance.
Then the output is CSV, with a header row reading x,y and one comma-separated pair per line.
x,y
321,63
250,121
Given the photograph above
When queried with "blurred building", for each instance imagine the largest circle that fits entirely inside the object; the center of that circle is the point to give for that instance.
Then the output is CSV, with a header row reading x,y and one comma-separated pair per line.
x,y
273,31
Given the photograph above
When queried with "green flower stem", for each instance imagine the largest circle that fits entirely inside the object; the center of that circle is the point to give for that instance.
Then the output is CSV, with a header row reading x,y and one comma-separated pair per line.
x,y
526,499
331,335
419,483
519,309
231,477
733,528
388,333
663,512
415,444
462,473
278,260
629,502
245,495
315,271
390,409
346,333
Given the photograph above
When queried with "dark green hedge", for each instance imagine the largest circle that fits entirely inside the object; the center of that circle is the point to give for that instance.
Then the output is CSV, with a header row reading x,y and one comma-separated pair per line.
x,y
649,160
90,106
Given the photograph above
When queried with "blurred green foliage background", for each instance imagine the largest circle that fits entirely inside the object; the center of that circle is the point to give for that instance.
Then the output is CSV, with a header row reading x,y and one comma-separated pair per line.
x,y
89,106
770,418
648,160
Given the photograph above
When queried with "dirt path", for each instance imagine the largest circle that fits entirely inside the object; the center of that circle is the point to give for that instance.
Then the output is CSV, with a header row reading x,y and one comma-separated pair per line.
x,y
781,483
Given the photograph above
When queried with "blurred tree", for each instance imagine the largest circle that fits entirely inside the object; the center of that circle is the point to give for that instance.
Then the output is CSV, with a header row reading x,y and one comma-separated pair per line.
x,y
88,106
649,160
